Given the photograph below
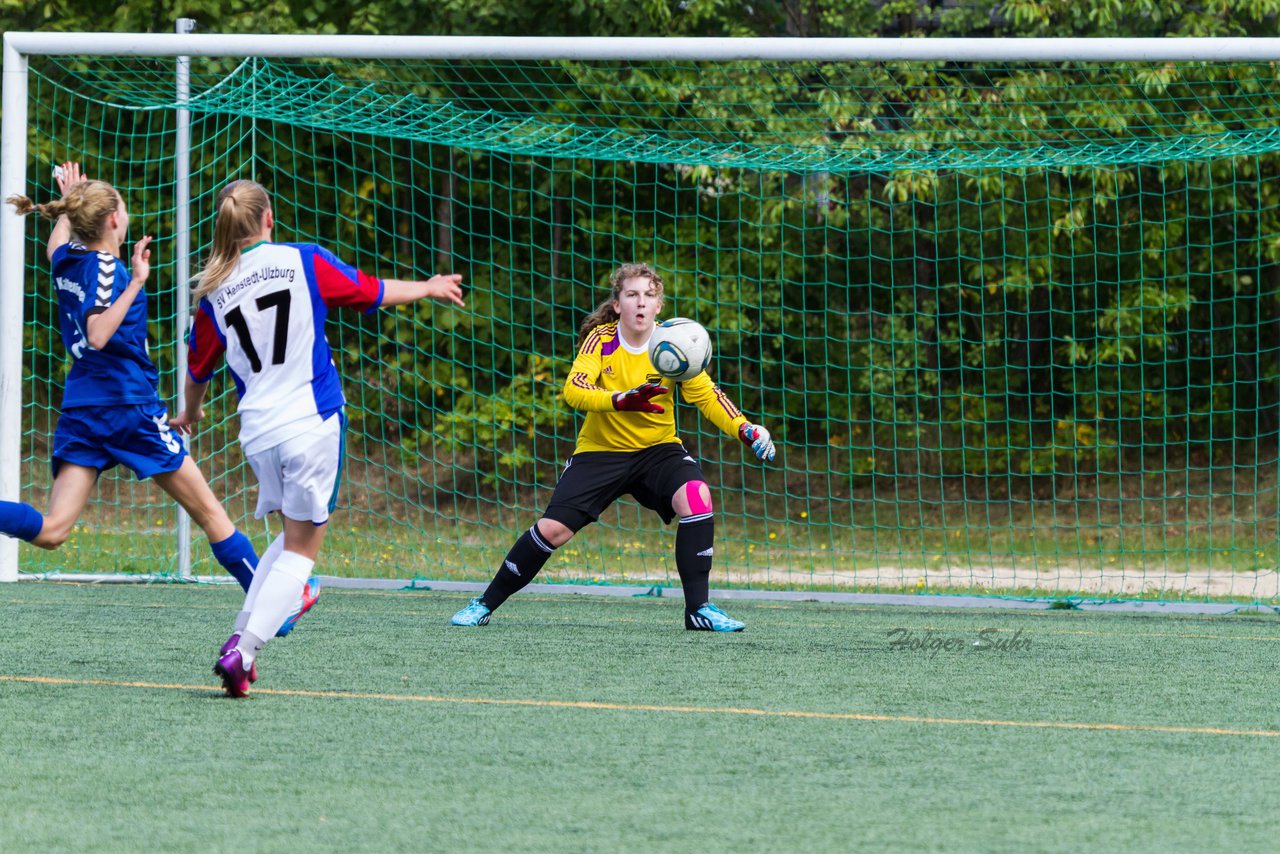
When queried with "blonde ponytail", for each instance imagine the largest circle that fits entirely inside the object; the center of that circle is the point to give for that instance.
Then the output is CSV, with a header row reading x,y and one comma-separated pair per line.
x,y
242,207
25,206
86,206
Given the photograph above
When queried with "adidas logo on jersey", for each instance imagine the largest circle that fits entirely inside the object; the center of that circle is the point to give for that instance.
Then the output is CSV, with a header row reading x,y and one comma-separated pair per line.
x,y
708,553
511,566
608,369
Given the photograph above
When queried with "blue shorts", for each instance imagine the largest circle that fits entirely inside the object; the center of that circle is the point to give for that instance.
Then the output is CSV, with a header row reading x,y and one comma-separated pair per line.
x,y
135,435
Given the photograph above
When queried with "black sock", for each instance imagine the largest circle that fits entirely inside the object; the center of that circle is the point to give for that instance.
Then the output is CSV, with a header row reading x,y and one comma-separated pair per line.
x,y
694,538
518,568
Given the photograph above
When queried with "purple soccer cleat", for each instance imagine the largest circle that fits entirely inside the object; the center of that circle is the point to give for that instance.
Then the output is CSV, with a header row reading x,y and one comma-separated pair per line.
x,y
230,645
235,679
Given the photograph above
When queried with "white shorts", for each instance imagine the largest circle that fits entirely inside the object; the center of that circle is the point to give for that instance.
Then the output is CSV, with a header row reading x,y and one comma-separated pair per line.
x,y
300,476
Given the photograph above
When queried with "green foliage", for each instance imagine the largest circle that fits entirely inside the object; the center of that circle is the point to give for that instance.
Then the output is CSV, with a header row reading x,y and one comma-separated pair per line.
x,y
505,426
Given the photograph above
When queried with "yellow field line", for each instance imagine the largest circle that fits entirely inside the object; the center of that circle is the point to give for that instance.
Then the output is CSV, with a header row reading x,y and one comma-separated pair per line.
x,y
633,707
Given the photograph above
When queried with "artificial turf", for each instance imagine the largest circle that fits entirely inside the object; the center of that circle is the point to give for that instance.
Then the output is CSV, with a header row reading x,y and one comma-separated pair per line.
x,y
599,724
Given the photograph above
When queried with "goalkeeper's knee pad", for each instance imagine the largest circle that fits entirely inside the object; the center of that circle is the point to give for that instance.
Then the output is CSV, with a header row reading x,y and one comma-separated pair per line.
x,y
699,496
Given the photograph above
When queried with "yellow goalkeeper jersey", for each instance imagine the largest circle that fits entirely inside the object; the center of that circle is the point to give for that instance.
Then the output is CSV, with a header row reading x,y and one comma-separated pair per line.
x,y
606,364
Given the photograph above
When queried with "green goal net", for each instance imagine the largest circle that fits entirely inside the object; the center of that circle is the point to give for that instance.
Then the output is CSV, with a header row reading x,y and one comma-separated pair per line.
x,y
1014,326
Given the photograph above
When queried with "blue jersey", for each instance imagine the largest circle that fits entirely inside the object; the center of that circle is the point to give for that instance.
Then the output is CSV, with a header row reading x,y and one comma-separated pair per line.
x,y
88,282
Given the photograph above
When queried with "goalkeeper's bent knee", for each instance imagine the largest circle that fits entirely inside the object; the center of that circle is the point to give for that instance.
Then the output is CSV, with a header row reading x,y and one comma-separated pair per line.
x,y
698,494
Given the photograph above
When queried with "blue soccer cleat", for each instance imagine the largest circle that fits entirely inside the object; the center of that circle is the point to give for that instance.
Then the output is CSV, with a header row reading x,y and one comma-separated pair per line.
x,y
475,614
310,595
709,618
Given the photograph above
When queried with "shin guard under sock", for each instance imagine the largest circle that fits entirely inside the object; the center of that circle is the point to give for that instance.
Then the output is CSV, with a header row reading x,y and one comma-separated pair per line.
x,y
694,547
521,564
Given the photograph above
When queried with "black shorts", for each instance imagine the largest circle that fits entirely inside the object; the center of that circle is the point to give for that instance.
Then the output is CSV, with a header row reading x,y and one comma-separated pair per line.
x,y
593,480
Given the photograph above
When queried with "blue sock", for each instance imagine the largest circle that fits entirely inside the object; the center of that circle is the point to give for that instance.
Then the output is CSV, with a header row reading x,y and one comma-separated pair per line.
x,y
20,520
237,557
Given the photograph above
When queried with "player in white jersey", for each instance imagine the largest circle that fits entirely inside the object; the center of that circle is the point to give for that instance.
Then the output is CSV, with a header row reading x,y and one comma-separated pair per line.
x,y
263,306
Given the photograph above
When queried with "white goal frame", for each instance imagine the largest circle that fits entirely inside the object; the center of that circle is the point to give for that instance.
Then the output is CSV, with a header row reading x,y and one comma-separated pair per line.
x,y
20,46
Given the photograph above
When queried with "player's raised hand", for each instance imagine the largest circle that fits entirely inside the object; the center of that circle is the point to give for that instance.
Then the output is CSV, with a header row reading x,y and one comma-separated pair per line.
x,y
759,439
639,399
446,287
141,263
67,175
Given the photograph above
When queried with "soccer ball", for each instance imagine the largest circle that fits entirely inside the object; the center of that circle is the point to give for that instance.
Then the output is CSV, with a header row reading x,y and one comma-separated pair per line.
x,y
680,349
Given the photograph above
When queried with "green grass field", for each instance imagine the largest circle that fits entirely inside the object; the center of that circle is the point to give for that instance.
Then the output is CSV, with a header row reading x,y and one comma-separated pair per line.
x,y
598,724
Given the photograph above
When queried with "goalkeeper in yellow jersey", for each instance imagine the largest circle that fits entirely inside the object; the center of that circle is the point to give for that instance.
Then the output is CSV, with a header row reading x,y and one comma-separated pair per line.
x,y
628,446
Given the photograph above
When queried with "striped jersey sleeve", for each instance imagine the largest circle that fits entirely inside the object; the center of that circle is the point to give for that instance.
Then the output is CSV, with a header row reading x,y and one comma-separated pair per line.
x,y
580,389
714,403
104,292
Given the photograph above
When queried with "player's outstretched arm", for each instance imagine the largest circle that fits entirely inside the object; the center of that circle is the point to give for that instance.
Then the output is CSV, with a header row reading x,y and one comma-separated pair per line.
x,y
725,414
101,326
191,415
442,288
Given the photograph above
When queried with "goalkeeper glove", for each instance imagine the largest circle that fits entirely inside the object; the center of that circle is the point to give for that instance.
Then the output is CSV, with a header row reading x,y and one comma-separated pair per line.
x,y
759,439
639,399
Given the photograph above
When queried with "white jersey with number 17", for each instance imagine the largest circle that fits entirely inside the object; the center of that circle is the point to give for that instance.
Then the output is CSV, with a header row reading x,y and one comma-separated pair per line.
x,y
267,317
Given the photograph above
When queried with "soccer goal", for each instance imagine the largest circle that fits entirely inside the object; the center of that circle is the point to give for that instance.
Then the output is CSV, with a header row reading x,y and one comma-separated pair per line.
x,y
1010,307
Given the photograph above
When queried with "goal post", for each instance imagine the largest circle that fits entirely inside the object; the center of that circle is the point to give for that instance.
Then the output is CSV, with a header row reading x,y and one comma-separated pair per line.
x,y
13,179
1003,301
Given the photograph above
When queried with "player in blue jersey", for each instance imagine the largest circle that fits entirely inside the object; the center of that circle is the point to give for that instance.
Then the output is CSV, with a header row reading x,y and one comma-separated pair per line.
x,y
262,306
111,410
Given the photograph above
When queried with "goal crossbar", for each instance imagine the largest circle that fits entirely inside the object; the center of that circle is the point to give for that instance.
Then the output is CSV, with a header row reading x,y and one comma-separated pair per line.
x,y
644,48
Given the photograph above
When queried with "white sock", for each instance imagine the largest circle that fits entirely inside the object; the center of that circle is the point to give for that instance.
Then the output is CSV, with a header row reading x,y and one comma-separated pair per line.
x,y
248,647
279,593
269,557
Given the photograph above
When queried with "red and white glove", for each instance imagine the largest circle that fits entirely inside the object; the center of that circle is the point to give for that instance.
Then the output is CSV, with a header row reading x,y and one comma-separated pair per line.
x,y
639,399
759,439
